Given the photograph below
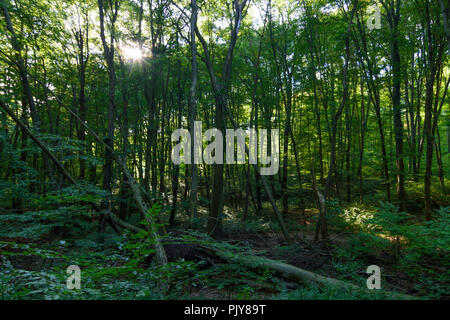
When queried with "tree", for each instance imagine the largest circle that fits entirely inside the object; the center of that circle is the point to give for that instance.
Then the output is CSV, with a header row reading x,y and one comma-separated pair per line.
x,y
108,50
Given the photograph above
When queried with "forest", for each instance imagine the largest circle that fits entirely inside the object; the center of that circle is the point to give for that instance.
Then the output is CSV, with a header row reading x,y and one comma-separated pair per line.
x,y
224,149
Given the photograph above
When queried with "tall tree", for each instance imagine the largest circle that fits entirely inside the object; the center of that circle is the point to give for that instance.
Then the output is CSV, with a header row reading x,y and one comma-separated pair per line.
x,y
193,110
111,8
393,8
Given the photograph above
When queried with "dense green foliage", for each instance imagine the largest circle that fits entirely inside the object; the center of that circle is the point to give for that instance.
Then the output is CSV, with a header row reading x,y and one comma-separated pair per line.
x,y
91,92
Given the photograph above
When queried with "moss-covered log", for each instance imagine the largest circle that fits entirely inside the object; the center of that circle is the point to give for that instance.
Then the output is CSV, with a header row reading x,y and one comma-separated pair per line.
x,y
291,272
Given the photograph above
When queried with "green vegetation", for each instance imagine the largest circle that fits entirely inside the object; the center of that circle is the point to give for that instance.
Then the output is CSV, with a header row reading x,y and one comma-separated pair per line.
x,y
91,92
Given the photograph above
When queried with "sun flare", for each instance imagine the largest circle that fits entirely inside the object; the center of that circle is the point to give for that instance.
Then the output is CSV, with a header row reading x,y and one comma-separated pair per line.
x,y
132,53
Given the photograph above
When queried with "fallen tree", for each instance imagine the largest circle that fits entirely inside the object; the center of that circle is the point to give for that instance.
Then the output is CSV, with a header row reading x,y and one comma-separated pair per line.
x,y
291,272
286,270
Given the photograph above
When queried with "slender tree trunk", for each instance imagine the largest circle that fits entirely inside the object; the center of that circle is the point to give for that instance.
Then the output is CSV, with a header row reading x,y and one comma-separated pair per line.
x,y
445,9
193,112
364,119
108,50
428,127
214,226
82,38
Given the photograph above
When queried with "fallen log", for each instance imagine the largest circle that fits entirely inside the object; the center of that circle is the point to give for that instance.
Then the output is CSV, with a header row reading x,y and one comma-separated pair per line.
x,y
124,224
291,272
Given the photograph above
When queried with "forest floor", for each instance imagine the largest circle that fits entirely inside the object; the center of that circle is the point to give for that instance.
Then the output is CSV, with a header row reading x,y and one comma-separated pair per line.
x,y
113,268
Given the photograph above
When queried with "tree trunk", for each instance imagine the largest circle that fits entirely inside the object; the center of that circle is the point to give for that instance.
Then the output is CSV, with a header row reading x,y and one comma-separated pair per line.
x,y
193,113
108,50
